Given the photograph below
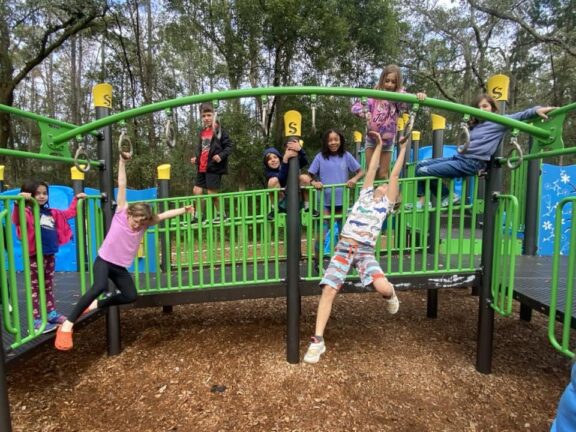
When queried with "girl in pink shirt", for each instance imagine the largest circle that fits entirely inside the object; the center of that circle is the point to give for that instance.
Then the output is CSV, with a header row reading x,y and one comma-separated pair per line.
x,y
116,253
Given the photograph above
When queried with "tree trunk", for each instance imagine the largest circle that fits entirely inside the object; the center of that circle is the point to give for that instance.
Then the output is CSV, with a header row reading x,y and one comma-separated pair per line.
x,y
6,72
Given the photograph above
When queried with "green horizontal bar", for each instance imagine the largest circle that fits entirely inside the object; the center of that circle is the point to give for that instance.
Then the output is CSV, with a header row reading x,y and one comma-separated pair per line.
x,y
30,155
286,91
39,118
563,109
541,155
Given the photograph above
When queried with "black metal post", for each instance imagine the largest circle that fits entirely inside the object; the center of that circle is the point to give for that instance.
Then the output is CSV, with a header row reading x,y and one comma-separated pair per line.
x,y
486,313
493,186
103,104
164,192
293,262
531,217
407,158
532,200
415,145
78,187
5,421
494,182
432,294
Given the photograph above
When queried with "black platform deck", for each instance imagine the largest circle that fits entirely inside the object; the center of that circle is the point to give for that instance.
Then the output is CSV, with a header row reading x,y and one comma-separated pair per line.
x,y
532,288
66,293
533,284
67,290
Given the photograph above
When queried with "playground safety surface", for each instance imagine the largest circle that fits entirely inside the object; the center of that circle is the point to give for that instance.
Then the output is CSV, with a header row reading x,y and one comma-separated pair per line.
x,y
222,367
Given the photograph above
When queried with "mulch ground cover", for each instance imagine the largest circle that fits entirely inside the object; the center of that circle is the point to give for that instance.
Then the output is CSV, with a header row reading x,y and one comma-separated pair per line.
x,y
222,367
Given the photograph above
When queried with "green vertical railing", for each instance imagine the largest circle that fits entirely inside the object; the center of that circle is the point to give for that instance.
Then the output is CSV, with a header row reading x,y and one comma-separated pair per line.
x,y
556,294
504,254
6,262
90,226
20,322
243,246
518,183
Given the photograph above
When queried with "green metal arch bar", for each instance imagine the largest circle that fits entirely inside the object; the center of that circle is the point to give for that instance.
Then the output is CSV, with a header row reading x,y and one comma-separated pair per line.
x,y
39,118
30,155
564,109
328,91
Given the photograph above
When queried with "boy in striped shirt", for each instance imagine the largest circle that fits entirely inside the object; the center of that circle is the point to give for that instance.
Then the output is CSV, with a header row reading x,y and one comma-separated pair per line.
x,y
356,246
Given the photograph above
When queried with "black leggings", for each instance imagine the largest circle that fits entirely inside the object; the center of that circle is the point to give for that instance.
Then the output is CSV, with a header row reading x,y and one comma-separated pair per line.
x,y
103,270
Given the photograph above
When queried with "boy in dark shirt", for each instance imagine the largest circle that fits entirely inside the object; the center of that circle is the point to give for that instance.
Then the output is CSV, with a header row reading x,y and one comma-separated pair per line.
x,y
211,156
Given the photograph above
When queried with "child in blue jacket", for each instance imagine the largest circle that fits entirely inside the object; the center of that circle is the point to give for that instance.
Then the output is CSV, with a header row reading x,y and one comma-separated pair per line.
x,y
276,171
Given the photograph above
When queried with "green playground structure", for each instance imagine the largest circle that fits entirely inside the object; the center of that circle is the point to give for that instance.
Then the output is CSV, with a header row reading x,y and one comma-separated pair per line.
x,y
247,254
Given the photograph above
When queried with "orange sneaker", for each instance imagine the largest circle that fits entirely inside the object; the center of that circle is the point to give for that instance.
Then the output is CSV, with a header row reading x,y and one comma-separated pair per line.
x,y
63,341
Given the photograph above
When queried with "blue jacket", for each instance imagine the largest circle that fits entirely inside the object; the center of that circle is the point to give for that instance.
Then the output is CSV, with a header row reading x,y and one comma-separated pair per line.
x,y
269,172
282,172
486,135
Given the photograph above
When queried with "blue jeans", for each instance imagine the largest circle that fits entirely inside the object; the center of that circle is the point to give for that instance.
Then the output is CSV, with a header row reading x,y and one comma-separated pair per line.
x,y
448,167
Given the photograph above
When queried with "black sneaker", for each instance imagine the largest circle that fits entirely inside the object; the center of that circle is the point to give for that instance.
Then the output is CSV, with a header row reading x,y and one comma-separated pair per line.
x,y
272,214
218,219
315,213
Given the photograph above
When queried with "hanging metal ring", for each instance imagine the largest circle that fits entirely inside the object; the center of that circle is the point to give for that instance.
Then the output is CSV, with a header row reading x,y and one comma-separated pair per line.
x,y
82,160
367,122
264,123
123,141
410,125
313,106
464,133
515,148
313,118
170,133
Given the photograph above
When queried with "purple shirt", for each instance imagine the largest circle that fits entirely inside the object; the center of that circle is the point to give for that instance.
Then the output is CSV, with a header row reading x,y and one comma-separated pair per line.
x,y
486,136
384,117
121,243
334,170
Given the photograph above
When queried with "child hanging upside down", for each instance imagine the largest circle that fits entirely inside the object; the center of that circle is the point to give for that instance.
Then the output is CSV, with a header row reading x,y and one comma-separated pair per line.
x,y
356,247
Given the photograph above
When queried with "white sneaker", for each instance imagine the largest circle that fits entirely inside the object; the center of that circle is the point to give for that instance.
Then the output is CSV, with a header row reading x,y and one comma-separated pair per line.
x,y
315,350
392,304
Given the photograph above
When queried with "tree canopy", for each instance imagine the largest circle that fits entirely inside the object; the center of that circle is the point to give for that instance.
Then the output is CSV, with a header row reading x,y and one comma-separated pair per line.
x,y
53,52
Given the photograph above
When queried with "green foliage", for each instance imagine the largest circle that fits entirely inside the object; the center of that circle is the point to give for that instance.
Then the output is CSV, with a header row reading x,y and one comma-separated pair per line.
x,y
183,47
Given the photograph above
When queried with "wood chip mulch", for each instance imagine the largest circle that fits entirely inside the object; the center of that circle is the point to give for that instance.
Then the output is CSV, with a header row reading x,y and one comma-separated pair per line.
x,y
222,367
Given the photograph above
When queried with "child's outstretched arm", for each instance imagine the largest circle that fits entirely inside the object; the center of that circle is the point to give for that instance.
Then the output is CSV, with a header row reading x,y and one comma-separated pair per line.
x,y
122,183
374,162
70,212
175,212
394,183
